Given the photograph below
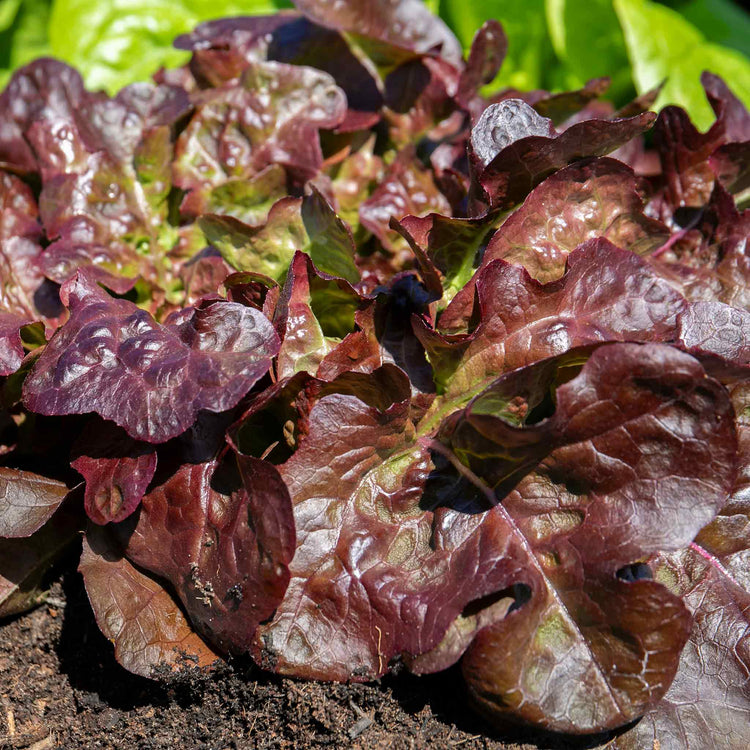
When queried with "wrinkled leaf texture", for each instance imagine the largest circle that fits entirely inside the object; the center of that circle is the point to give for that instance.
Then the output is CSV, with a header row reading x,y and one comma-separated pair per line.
x,y
151,379
467,398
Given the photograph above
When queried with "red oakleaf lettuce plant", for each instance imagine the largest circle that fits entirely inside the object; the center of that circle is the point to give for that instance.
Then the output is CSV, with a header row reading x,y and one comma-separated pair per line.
x,y
338,363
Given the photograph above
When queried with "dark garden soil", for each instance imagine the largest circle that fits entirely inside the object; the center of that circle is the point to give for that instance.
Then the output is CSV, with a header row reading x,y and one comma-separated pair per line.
x,y
60,687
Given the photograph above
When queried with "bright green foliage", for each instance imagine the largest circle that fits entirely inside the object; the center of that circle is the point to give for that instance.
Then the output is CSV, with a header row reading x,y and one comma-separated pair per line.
x,y
663,46
121,41
23,34
530,52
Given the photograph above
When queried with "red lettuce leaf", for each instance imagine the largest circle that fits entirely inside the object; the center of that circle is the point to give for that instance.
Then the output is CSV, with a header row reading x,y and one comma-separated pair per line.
x,y
25,562
373,575
419,95
446,248
594,198
225,47
403,23
731,164
607,294
114,359
514,148
27,501
684,152
715,328
406,189
11,348
117,470
361,488
224,541
22,290
105,174
638,455
303,343
576,105
591,199
488,49
44,90
272,116
147,628
708,260
708,704
731,114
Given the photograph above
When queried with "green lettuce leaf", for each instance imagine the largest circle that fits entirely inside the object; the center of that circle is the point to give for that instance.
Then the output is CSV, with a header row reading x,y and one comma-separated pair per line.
x,y
664,46
118,42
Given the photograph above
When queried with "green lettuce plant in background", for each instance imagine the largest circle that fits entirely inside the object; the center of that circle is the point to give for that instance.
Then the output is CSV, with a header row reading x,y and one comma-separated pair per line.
x,y
553,44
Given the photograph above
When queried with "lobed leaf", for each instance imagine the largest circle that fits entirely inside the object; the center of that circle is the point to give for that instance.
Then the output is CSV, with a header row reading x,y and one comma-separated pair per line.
x,y
114,359
515,148
25,562
27,501
223,541
136,613
607,294
622,468
708,700
117,470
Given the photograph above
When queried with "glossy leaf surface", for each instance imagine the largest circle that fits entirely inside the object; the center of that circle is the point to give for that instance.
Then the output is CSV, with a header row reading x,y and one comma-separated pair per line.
x,y
114,359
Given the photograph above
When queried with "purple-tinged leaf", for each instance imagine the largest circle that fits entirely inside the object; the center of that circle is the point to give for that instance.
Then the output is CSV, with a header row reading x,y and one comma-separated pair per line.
x,y
25,563
515,148
203,275
20,248
373,574
607,294
446,249
420,94
271,117
504,123
44,90
303,343
710,260
404,23
685,152
11,347
27,501
406,189
113,359
136,614
105,182
405,297
117,470
640,453
716,328
708,704
731,114
356,178
575,104
488,49
727,537
224,541
596,198
731,164
591,199
225,47
359,351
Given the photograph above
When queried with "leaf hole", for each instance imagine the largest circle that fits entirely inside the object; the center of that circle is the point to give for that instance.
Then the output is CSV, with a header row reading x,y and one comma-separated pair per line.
x,y
635,572
520,592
